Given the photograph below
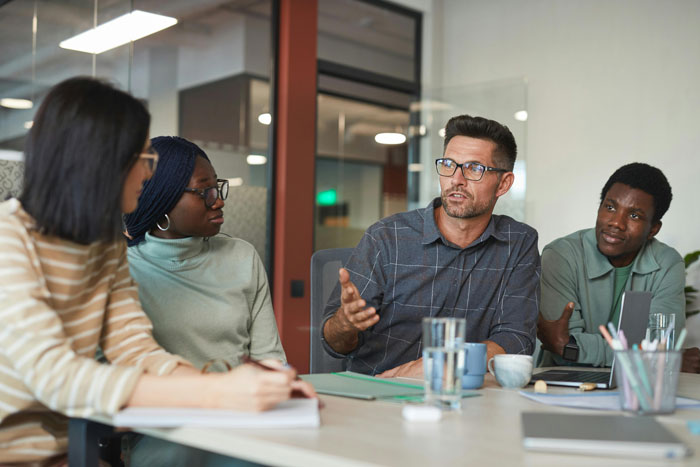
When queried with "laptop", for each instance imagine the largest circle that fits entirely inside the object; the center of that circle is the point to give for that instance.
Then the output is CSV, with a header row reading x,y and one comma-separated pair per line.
x,y
634,316
603,435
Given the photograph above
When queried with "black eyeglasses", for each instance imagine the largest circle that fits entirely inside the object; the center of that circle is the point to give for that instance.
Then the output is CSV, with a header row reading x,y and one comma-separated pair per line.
x,y
471,170
212,193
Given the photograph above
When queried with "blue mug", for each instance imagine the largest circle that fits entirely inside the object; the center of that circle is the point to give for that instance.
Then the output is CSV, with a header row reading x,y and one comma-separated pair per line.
x,y
475,365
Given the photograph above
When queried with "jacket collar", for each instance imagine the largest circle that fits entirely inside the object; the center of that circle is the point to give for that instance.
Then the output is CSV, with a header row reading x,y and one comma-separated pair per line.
x,y
598,265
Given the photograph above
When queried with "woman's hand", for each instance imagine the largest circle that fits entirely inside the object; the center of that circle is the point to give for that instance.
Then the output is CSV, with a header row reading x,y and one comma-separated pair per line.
x,y
249,388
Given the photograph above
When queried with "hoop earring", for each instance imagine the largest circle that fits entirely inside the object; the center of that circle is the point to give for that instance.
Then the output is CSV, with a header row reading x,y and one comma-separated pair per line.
x,y
163,229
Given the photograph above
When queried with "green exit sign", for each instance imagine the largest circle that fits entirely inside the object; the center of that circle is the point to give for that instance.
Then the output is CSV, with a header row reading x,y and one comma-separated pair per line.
x,y
326,198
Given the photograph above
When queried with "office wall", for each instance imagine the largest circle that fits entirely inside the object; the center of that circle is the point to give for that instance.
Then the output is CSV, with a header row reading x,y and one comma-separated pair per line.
x,y
608,83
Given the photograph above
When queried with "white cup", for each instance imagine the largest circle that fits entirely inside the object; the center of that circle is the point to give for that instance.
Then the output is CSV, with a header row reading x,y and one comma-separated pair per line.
x,y
511,371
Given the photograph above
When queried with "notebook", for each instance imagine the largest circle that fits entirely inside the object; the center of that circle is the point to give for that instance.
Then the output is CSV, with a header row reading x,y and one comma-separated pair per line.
x,y
293,413
634,316
603,435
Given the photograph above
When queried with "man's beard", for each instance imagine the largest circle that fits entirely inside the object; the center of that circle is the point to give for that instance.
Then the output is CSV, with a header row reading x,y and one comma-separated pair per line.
x,y
470,210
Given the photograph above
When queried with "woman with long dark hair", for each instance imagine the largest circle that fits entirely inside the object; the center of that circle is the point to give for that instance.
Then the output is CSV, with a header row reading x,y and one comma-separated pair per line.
x,y
65,286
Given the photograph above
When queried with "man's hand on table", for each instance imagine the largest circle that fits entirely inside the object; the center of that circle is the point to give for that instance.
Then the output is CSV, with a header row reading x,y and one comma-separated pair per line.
x,y
554,334
691,360
412,369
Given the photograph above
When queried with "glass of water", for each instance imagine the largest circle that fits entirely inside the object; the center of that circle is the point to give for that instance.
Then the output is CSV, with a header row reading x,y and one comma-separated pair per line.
x,y
444,361
658,323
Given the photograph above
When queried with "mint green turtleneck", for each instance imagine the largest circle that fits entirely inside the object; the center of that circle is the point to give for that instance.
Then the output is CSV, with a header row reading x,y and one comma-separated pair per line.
x,y
207,297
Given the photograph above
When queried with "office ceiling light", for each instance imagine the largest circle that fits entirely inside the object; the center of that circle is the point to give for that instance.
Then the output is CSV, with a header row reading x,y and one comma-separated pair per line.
x,y
28,125
256,159
19,104
441,132
390,138
119,31
236,181
265,118
520,115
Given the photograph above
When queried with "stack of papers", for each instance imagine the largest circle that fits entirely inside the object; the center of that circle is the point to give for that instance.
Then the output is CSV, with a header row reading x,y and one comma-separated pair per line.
x,y
596,400
294,413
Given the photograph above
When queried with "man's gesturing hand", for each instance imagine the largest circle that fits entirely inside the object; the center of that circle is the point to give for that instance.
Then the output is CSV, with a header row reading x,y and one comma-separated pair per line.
x,y
352,314
554,334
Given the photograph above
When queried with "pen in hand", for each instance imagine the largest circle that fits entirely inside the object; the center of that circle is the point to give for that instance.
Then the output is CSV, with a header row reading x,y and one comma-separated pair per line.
x,y
262,366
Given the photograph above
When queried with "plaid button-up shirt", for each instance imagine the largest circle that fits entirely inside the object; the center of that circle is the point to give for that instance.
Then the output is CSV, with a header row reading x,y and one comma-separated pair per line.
x,y
406,269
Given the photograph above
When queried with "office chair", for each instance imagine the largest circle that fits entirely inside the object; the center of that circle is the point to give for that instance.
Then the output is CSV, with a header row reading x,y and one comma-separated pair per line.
x,y
324,277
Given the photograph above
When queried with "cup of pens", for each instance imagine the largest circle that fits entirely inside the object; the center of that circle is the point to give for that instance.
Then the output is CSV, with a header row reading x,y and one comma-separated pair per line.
x,y
647,380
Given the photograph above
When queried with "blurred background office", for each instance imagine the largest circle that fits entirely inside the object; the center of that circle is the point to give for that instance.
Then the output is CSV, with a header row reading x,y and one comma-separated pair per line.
x,y
585,87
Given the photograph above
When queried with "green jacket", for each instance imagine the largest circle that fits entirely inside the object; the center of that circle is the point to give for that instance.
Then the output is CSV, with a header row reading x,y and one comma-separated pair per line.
x,y
574,270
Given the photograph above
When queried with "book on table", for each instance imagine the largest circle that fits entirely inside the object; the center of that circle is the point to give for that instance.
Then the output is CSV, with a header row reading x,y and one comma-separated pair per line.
x,y
293,413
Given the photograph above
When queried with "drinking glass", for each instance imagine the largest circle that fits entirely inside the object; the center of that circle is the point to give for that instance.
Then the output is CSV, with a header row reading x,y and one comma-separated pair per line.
x,y
443,361
656,328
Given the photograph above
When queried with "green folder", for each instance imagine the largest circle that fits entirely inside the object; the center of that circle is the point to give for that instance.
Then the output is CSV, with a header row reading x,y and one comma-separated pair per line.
x,y
359,386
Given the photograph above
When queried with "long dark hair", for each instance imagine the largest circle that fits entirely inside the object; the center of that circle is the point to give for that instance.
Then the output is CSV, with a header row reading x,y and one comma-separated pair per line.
x,y
85,138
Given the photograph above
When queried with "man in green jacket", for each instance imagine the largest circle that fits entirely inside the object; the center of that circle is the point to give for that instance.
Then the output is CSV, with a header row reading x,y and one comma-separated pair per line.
x,y
585,273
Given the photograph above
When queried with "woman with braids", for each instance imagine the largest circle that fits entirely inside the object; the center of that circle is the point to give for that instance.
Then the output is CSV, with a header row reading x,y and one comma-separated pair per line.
x,y
65,286
206,294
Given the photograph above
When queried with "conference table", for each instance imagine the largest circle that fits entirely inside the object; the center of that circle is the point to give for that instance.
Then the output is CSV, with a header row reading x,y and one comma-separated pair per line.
x,y
373,433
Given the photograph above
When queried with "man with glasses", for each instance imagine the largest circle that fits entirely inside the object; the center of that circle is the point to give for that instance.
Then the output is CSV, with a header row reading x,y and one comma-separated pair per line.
x,y
451,259
585,273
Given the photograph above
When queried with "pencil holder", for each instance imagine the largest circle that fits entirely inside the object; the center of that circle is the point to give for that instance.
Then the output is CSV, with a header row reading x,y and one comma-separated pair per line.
x,y
647,381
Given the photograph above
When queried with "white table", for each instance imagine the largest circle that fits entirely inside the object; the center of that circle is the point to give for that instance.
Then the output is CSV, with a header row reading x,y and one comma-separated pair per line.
x,y
363,433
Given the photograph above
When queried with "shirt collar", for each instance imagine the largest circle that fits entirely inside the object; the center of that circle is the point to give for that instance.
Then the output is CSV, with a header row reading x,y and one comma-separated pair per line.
x,y
598,265
431,233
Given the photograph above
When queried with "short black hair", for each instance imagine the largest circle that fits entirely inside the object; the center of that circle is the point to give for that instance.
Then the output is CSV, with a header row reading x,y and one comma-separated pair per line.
x,y
483,128
86,136
646,178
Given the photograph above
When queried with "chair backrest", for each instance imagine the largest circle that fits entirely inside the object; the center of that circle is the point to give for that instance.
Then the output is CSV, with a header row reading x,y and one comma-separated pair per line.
x,y
324,277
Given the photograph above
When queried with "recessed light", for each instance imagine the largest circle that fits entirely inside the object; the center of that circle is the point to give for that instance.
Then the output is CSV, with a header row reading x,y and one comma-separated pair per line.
x,y
119,31
256,159
520,115
19,104
237,181
265,118
441,132
28,125
390,138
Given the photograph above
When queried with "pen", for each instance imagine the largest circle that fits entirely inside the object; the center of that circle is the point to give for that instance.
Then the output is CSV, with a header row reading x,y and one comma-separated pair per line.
x,y
681,339
262,366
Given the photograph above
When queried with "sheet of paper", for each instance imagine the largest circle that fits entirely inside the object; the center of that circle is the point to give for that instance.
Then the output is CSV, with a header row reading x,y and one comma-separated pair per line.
x,y
293,413
597,400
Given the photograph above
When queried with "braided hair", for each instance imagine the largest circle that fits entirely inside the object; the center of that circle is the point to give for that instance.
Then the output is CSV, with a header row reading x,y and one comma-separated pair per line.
x,y
160,194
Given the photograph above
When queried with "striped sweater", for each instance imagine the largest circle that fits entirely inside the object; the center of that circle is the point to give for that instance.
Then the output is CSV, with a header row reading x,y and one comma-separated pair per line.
x,y
58,301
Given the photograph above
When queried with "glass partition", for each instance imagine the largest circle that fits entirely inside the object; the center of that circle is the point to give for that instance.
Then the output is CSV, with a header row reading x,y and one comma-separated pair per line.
x,y
358,180
368,37
503,101
206,78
